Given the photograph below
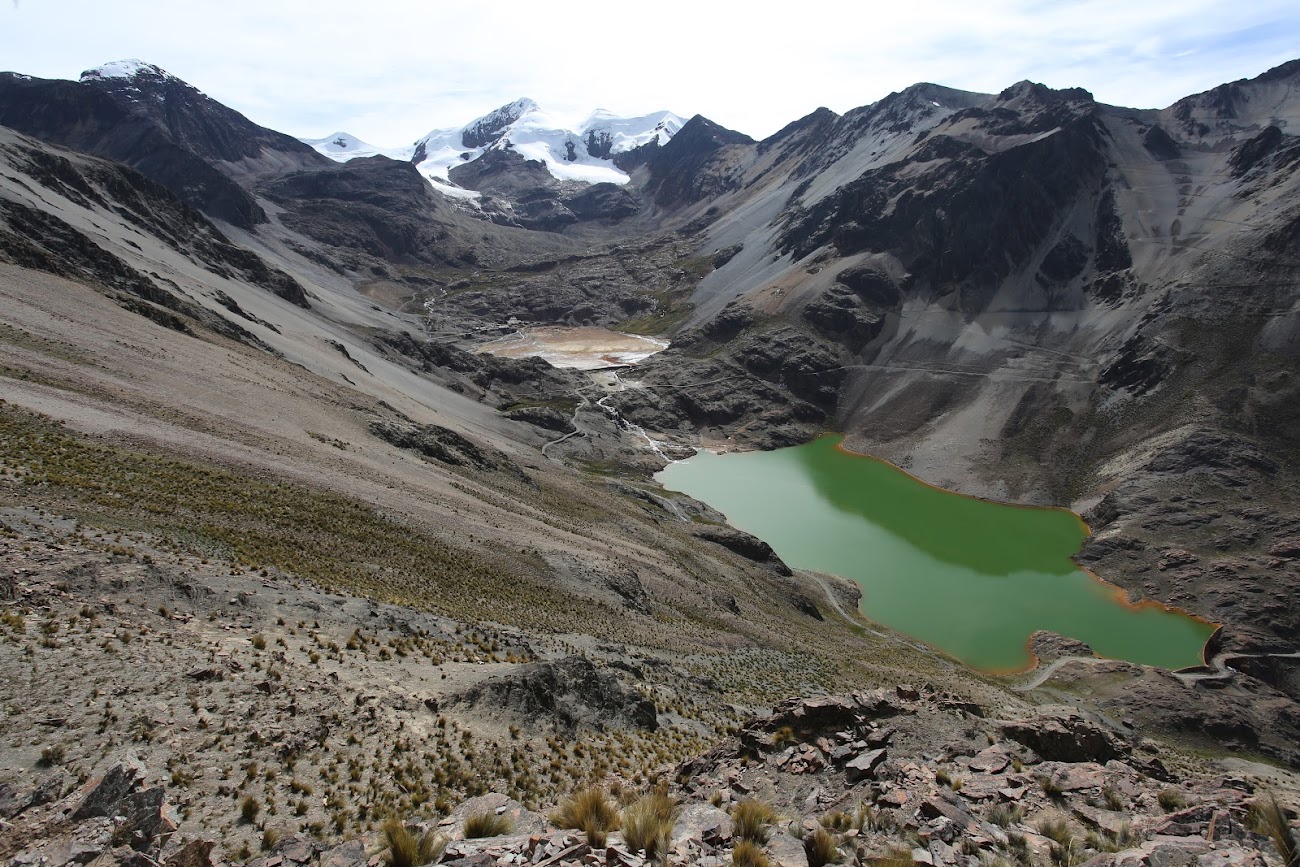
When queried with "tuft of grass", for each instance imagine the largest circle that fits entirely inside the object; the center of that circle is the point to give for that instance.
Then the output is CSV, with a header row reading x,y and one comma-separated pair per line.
x,y
1065,847
248,809
753,820
1117,841
1171,800
648,823
405,849
1005,815
1056,829
897,856
52,755
591,812
1050,788
270,836
487,824
867,818
783,736
1266,817
820,848
747,853
1113,800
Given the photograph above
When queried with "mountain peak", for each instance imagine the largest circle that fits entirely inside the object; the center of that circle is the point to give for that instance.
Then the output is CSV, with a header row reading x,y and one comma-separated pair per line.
x,y
493,125
127,69
1032,91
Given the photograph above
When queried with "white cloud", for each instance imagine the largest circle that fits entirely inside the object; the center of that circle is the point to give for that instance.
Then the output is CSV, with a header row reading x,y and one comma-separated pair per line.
x,y
389,71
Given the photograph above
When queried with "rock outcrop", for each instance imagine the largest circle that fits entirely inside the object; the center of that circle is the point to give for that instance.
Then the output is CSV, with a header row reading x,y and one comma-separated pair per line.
x,y
569,694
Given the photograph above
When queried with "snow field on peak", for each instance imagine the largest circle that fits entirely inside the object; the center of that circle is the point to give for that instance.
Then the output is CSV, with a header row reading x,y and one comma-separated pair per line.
x,y
124,69
629,133
534,134
528,130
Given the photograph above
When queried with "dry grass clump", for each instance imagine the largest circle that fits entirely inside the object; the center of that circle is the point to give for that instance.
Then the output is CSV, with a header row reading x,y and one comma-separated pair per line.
x,y
747,853
1066,850
1171,800
591,812
406,849
753,820
648,823
487,824
52,755
248,809
820,848
1005,815
897,856
1267,817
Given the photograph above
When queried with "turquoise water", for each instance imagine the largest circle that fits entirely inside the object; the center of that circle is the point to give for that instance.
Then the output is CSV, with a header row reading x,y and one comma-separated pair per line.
x,y
970,577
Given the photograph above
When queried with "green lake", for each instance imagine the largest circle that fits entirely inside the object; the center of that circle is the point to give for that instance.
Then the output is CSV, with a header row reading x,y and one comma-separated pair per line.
x,y
970,577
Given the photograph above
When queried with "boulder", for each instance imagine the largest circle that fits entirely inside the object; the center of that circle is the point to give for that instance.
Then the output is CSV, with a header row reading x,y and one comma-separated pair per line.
x,y
786,851
149,821
1079,776
864,766
1067,737
1288,548
198,853
103,794
12,801
705,823
992,760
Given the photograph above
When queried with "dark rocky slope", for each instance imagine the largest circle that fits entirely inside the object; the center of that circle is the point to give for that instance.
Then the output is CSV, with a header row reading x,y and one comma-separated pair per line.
x,y
161,126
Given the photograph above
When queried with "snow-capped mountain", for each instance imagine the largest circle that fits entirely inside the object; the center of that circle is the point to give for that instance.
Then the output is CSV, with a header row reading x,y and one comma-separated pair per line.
x,y
492,126
606,134
582,154
127,69
585,153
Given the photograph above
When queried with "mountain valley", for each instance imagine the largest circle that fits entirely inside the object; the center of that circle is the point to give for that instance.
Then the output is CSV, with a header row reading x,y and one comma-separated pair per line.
x,y
275,527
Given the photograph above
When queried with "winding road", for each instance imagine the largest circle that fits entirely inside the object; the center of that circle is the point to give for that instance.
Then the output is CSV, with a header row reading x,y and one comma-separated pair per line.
x,y
1219,664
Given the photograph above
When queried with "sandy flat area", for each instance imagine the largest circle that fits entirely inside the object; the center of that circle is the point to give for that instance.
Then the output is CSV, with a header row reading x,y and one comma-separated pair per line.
x,y
582,348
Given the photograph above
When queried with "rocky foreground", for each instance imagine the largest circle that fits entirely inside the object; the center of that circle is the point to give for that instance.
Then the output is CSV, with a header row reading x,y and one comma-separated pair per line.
x,y
907,775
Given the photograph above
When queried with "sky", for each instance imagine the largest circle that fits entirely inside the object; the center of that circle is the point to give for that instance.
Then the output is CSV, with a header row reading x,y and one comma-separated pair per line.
x,y
389,72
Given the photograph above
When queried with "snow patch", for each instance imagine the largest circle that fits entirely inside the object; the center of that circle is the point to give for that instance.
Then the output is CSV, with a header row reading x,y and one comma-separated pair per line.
x,y
125,69
452,191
